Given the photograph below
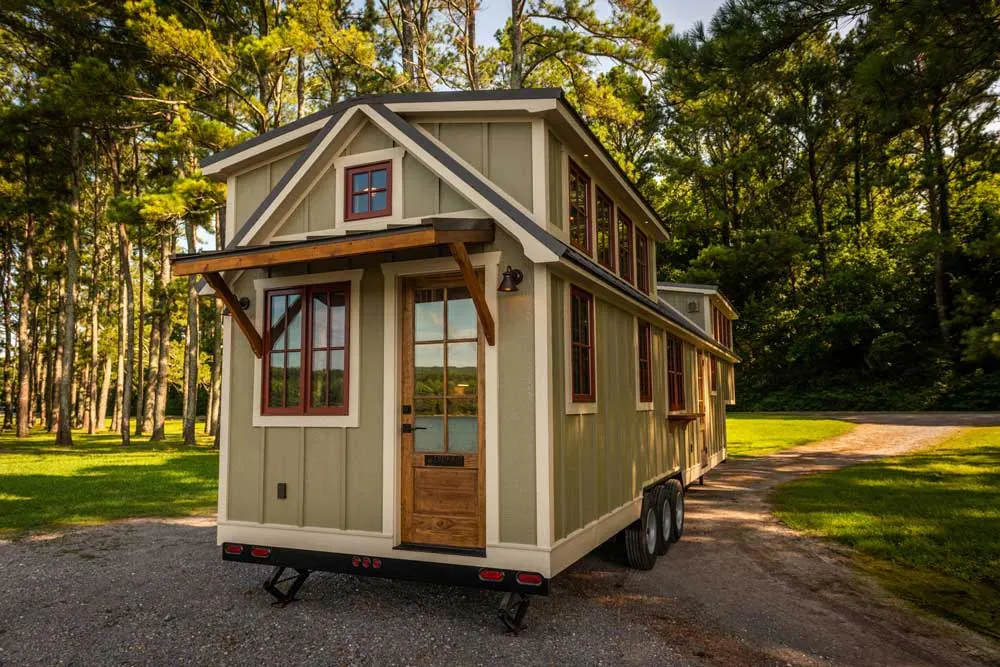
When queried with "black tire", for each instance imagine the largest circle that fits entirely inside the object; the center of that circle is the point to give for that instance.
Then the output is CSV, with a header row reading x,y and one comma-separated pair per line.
x,y
675,492
641,536
664,518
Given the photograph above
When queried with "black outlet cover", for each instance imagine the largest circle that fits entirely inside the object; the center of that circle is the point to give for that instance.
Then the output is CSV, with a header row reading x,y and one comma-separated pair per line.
x,y
282,490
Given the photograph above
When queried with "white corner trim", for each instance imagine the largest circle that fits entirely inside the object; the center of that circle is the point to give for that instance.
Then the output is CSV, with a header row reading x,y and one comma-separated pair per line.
x,y
544,487
573,407
344,162
353,416
392,272
222,511
539,172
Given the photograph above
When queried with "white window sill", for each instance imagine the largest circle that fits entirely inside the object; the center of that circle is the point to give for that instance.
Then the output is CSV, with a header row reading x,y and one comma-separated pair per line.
x,y
644,407
323,421
573,408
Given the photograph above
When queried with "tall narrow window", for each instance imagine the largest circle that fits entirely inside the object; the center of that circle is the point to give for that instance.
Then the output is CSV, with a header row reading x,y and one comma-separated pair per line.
x,y
645,370
306,344
641,262
605,230
624,246
713,373
579,208
582,344
675,374
368,191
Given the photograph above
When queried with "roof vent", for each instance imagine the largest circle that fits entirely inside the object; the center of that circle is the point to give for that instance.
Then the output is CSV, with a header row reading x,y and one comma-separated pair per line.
x,y
693,306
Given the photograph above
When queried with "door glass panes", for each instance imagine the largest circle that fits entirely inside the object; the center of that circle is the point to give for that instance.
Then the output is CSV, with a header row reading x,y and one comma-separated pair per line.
x,y
445,371
428,434
428,314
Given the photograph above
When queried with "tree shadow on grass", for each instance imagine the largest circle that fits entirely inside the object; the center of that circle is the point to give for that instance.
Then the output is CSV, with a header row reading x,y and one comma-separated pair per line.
x,y
927,524
179,485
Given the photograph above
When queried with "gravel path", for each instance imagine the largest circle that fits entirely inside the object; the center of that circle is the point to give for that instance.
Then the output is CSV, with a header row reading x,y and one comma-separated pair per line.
x,y
739,589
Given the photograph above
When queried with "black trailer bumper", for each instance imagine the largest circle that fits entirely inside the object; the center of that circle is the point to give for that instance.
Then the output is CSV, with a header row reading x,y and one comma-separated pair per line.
x,y
494,579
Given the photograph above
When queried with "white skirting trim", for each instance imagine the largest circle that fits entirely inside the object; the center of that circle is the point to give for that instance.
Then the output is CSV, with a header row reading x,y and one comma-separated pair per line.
x,y
363,543
580,542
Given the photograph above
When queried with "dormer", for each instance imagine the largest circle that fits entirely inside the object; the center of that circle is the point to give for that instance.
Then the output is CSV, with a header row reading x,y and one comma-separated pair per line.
x,y
705,306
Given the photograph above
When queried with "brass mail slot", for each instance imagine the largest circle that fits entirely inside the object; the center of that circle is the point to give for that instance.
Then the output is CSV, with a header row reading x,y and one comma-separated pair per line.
x,y
453,460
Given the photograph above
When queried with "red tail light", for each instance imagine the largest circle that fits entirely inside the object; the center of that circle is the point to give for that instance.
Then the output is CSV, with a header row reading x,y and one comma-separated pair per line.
x,y
366,562
260,552
356,561
529,579
376,563
491,575
234,549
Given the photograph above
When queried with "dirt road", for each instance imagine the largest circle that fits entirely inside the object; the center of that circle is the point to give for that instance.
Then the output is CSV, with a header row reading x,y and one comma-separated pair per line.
x,y
739,589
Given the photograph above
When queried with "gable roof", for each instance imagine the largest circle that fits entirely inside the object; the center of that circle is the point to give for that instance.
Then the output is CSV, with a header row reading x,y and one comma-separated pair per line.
x,y
696,288
298,132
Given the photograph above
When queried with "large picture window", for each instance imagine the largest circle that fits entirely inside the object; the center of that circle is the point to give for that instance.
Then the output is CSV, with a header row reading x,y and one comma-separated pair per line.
x,y
603,213
641,262
306,350
645,357
579,208
582,345
368,190
675,374
624,246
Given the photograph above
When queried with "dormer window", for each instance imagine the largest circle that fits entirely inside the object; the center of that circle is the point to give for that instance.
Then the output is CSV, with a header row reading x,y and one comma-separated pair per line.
x,y
369,191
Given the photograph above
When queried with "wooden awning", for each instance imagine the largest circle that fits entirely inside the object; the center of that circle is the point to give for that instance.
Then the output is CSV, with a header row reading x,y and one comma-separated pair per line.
x,y
455,233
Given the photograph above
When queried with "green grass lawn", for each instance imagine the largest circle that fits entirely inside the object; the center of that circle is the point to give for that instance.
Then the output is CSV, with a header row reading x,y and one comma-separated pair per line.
x,y
756,434
44,487
927,525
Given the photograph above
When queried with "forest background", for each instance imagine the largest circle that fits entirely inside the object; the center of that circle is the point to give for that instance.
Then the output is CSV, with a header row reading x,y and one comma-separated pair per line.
x,y
833,165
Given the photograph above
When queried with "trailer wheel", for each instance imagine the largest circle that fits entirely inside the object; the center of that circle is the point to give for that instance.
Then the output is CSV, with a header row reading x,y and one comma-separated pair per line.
x,y
675,491
641,537
664,517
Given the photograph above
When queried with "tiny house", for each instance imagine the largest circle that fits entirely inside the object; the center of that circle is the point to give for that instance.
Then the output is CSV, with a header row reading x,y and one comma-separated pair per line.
x,y
446,357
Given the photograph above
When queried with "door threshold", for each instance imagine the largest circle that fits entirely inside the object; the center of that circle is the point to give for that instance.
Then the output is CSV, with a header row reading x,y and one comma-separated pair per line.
x,y
442,549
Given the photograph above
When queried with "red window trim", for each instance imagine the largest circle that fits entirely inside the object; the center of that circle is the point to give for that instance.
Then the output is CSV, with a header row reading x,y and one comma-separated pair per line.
x,y
645,362
349,192
713,374
581,175
625,271
599,195
675,374
641,268
305,350
588,298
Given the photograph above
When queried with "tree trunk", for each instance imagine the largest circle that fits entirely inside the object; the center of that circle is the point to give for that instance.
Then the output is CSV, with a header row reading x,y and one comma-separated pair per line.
x,y
163,308
516,44
191,345
25,370
144,407
300,87
149,391
8,385
406,42
128,319
95,334
100,419
64,435
116,417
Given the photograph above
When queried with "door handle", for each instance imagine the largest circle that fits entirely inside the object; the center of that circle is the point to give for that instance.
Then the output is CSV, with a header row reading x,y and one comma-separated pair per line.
x,y
410,428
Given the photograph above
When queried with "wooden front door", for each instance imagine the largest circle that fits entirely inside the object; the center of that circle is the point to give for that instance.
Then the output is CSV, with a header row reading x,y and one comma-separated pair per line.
x,y
442,416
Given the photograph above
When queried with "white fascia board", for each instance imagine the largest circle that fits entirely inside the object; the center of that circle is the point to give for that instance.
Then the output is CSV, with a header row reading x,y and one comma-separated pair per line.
x,y
263,147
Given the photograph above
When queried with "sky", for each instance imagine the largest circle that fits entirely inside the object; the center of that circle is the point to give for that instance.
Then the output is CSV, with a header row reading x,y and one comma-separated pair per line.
x,y
682,14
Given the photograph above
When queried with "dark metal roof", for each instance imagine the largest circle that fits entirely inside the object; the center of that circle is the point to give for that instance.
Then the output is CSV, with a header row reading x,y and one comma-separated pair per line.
x,y
390,98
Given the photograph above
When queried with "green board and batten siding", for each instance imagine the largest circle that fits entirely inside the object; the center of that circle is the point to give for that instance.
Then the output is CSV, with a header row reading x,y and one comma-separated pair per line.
x,y
602,460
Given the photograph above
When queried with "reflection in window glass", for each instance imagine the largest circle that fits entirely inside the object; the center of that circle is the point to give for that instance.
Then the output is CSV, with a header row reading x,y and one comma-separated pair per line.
x,y
463,425
428,314
428,434
428,369
463,366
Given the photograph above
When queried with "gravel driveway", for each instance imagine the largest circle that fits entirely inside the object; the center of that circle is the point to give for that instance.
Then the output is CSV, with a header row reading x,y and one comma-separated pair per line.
x,y
739,589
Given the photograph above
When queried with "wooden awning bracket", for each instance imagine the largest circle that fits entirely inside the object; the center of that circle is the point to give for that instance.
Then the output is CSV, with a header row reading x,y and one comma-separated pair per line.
x,y
476,290
246,326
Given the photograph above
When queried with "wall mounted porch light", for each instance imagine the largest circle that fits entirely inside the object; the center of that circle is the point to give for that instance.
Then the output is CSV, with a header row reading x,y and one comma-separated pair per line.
x,y
511,279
